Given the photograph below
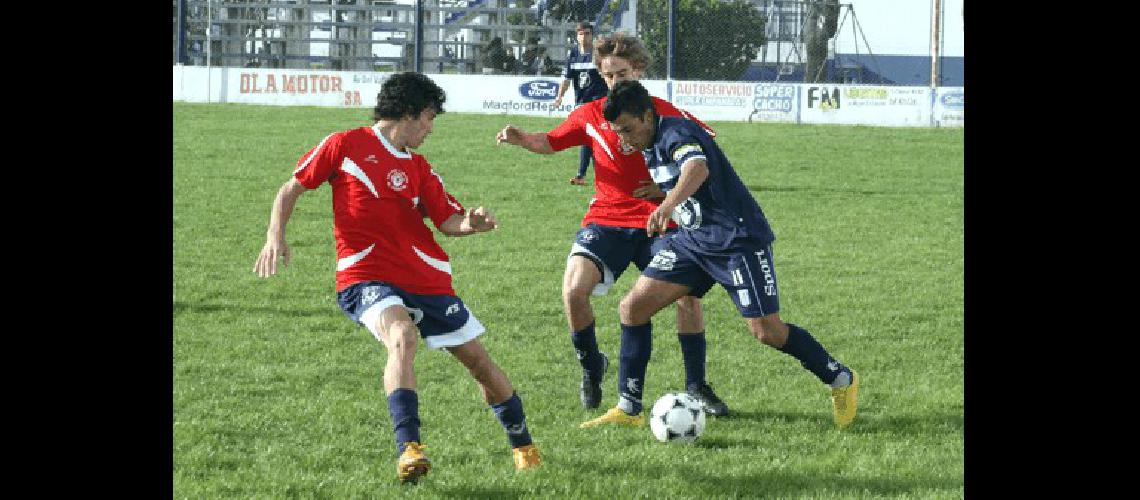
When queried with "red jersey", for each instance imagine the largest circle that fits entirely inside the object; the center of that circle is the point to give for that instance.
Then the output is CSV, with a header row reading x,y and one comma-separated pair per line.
x,y
618,168
380,197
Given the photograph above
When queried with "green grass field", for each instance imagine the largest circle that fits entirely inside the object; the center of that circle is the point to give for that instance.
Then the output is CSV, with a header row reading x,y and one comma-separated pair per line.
x,y
276,394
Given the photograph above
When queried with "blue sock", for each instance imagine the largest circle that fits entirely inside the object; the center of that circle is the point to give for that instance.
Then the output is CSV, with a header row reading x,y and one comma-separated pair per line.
x,y
584,155
586,346
693,350
636,346
802,346
404,406
513,418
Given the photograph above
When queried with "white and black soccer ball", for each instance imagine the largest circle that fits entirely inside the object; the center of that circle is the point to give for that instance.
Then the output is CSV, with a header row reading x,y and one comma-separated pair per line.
x,y
677,418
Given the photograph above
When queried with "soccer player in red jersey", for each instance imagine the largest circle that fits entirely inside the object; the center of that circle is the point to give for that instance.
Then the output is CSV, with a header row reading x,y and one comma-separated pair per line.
x,y
613,232
391,275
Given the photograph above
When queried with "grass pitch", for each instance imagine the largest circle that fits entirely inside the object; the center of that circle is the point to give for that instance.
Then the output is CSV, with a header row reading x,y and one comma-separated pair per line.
x,y
276,394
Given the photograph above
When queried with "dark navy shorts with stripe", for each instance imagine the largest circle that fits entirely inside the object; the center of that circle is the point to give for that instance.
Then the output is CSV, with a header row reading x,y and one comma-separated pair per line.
x,y
443,320
746,271
613,249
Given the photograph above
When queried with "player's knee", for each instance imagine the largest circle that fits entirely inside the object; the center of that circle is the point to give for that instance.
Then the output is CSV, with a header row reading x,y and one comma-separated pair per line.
x,y
632,310
688,307
573,293
481,368
402,338
769,331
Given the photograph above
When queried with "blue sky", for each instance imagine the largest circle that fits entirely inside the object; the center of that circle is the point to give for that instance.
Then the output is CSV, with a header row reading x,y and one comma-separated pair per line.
x,y
901,27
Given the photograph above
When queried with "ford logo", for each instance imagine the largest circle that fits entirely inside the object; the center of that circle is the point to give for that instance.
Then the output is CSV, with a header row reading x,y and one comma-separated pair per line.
x,y
954,100
539,90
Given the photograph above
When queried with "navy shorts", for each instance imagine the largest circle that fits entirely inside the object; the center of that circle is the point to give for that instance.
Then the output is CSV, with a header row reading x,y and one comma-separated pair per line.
x,y
746,271
613,249
443,320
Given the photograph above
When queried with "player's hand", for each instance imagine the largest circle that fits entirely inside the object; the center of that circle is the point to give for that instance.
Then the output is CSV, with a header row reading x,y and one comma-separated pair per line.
x,y
510,134
648,189
658,221
266,264
557,102
481,220
577,181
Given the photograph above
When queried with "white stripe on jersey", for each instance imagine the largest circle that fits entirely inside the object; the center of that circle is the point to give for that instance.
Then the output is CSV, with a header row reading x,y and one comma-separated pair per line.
x,y
691,158
347,262
582,65
593,132
387,145
441,265
316,150
351,168
665,173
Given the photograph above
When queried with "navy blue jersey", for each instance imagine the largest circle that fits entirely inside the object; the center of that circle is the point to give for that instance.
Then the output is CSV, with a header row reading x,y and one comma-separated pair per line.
x,y
722,211
587,82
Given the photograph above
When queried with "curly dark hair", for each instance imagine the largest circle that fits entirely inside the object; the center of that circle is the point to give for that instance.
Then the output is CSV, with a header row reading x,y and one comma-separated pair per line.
x,y
407,94
627,96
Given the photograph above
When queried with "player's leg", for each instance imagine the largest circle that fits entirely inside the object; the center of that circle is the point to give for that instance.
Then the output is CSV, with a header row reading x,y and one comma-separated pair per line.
x,y
755,291
395,328
691,336
581,277
501,397
584,156
380,308
597,258
648,296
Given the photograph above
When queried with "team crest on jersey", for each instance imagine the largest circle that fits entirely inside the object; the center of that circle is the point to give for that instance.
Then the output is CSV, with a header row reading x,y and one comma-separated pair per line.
x,y
626,149
587,236
397,180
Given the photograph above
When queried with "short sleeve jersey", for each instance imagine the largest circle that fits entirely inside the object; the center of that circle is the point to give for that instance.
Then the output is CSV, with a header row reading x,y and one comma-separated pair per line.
x,y
380,197
580,70
722,211
619,168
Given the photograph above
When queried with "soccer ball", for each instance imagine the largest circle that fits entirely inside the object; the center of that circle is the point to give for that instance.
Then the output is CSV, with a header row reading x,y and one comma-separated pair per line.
x,y
677,418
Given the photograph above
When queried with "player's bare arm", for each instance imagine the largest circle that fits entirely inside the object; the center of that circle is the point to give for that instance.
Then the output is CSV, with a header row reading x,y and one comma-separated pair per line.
x,y
649,190
479,220
535,143
275,246
693,174
562,86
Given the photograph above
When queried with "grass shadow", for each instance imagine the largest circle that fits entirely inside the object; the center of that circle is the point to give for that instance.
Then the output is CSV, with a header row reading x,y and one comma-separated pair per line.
x,y
815,189
208,308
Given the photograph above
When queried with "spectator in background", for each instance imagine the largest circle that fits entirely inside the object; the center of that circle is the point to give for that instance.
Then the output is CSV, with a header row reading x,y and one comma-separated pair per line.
x,y
532,57
496,57
588,86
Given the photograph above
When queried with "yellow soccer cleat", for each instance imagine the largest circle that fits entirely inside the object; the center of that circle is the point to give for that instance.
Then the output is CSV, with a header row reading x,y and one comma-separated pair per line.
x,y
614,416
844,400
526,457
412,464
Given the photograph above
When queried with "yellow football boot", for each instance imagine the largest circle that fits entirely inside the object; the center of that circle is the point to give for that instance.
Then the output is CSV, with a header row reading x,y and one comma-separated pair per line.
x,y
412,464
614,416
526,457
844,401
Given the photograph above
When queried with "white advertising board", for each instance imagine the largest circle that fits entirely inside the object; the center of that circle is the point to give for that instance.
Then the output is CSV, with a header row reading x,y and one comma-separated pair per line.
x,y
533,95
296,87
950,107
865,105
775,102
714,100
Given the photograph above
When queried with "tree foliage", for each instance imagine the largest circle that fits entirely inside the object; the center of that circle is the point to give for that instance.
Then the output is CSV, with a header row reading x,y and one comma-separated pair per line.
x,y
715,39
